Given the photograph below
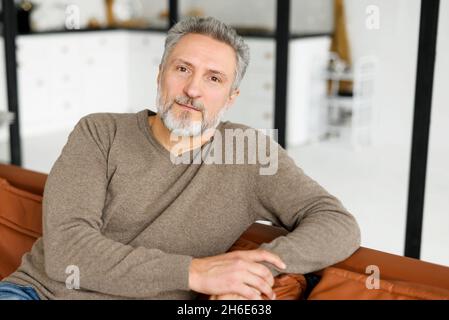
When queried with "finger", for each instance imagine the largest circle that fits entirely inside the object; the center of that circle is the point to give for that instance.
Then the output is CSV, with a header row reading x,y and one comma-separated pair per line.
x,y
261,271
260,255
248,292
231,296
259,284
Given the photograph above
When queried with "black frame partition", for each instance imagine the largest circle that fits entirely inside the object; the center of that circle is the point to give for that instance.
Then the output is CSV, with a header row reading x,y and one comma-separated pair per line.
x,y
281,69
172,13
422,108
421,124
9,35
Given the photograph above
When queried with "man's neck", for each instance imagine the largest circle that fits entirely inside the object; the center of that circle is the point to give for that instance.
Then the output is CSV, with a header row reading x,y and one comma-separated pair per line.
x,y
172,143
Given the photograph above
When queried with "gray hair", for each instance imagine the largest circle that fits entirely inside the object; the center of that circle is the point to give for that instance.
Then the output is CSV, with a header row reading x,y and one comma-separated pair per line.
x,y
215,29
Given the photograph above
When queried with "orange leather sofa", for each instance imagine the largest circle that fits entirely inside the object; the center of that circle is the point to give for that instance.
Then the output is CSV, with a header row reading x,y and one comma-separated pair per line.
x,y
399,277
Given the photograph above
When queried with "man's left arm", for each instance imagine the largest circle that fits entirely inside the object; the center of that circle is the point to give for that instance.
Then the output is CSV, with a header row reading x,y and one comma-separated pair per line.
x,y
321,231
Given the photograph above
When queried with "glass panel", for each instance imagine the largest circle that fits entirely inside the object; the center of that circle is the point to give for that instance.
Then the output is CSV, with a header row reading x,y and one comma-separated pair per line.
x,y
363,156
435,237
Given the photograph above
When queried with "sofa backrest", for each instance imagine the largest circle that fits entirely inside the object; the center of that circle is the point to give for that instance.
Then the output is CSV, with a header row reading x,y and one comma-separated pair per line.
x,y
20,225
27,180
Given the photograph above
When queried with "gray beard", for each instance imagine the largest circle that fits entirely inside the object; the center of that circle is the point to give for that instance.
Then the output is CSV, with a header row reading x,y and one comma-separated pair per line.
x,y
182,125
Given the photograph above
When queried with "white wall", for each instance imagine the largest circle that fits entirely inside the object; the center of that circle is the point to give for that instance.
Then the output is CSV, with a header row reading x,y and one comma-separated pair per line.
x,y
373,182
435,240
395,45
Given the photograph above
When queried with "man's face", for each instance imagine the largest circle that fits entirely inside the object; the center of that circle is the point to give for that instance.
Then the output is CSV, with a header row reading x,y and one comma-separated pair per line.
x,y
194,85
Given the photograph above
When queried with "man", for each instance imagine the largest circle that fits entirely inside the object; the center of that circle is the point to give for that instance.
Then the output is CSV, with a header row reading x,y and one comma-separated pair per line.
x,y
132,210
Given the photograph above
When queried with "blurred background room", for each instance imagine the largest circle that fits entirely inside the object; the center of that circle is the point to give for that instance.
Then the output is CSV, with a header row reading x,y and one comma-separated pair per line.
x,y
348,84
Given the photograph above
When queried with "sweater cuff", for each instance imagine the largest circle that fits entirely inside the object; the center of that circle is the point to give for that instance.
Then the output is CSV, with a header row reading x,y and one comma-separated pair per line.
x,y
179,272
274,270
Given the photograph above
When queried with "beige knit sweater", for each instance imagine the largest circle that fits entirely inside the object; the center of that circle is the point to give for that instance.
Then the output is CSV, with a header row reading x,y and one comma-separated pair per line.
x,y
130,220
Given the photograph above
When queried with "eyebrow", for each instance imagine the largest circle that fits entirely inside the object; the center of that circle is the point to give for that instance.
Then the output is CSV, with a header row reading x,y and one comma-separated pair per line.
x,y
210,70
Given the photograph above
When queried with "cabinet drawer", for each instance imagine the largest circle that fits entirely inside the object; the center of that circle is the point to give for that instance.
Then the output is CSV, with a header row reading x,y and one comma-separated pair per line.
x,y
150,42
65,106
34,91
261,90
111,42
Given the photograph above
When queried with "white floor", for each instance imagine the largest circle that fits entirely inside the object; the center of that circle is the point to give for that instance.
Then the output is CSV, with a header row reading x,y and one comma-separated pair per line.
x,y
372,184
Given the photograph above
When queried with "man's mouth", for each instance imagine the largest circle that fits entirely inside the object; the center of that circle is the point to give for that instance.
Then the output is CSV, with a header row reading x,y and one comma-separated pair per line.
x,y
186,106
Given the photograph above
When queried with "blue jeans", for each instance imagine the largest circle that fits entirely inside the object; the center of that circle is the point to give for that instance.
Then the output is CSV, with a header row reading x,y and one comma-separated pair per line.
x,y
11,291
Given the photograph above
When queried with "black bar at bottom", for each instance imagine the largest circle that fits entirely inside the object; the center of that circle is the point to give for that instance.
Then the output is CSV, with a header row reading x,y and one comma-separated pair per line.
x,y
9,33
421,124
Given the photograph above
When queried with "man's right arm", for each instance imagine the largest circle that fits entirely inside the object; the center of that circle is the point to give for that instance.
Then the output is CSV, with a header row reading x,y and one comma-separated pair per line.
x,y
73,202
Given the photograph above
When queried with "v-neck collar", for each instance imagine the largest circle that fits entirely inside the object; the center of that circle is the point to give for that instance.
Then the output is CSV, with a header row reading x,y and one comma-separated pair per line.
x,y
142,117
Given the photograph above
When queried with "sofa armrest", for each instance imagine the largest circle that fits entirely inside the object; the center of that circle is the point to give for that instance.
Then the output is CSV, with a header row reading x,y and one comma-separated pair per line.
x,y
391,267
399,268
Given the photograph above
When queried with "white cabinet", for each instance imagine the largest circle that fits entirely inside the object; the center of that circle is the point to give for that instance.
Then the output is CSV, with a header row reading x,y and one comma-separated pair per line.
x,y
255,104
104,72
62,77
145,55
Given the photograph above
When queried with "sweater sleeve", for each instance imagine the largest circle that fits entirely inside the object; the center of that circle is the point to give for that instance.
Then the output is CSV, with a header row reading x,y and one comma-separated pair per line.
x,y
321,231
73,201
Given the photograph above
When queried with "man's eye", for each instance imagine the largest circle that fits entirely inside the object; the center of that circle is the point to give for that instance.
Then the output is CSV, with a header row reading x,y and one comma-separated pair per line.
x,y
215,79
182,69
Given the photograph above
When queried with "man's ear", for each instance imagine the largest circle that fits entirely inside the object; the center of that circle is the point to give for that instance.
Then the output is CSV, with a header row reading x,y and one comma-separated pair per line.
x,y
234,94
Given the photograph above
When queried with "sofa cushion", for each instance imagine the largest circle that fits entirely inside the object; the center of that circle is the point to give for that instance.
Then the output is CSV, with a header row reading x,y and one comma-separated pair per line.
x,y
340,284
20,225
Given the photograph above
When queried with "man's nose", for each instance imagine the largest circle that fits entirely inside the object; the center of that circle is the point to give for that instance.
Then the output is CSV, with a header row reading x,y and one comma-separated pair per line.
x,y
193,87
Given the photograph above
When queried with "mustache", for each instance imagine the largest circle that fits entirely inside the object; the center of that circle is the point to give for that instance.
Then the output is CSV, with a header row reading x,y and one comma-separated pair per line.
x,y
190,102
